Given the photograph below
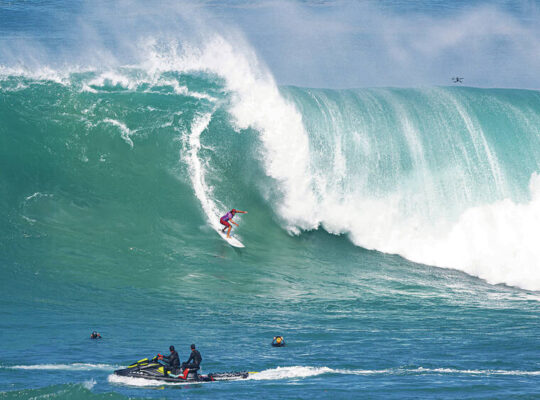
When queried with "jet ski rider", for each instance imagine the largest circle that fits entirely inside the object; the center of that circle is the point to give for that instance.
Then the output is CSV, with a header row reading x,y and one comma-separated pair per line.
x,y
195,356
172,359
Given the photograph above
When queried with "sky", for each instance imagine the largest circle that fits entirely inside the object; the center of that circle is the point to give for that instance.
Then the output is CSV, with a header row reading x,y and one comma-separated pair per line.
x,y
395,43
332,44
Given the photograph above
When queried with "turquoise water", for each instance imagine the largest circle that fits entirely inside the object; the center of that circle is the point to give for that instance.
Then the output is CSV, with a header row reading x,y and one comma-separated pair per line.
x,y
391,233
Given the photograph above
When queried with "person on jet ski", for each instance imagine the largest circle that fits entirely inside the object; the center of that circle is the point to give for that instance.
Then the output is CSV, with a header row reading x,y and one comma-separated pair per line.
x,y
95,335
194,360
172,359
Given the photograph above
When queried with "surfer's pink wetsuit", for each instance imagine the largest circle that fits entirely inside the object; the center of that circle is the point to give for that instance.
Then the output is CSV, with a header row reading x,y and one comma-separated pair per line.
x,y
225,219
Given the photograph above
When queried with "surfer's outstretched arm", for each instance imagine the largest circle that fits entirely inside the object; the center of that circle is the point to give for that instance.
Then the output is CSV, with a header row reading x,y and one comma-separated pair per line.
x,y
242,212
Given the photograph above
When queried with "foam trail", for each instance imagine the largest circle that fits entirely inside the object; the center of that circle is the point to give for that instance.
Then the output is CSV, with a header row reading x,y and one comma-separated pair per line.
x,y
300,372
307,371
437,371
290,372
64,367
197,171
124,130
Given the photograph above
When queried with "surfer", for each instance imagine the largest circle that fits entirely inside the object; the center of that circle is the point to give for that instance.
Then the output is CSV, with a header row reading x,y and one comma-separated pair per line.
x,y
228,218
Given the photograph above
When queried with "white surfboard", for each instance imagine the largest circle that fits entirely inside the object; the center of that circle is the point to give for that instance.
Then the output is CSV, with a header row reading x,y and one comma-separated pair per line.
x,y
232,240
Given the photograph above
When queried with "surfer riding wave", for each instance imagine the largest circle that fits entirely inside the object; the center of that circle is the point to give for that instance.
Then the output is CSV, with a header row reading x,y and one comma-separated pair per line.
x,y
227,220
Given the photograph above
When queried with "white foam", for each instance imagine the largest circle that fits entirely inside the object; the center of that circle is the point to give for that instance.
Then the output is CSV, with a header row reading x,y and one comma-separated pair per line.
x,y
114,78
70,367
496,242
269,374
43,73
439,371
484,372
256,103
37,195
89,384
290,372
86,88
306,371
197,172
300,372
492,241
133,78
129,381
125,132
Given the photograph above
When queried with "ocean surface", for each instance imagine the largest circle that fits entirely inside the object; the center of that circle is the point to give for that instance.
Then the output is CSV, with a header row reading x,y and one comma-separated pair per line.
x,y
392,233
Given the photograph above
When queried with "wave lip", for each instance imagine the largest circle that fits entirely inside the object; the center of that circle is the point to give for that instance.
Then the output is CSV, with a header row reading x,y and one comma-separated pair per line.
x,y
439,176
429,174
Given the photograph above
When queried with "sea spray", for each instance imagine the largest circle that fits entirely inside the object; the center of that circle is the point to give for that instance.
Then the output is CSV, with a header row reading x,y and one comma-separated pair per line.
x,y
439,176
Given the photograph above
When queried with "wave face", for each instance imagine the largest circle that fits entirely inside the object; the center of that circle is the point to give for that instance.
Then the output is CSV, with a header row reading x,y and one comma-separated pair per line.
x,y
442,176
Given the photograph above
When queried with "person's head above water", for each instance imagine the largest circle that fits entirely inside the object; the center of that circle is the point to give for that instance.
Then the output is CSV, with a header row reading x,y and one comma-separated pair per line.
x,y
192,347
171,348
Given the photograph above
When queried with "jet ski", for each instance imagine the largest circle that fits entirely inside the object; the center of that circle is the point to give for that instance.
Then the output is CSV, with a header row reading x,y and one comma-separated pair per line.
x,y
155,369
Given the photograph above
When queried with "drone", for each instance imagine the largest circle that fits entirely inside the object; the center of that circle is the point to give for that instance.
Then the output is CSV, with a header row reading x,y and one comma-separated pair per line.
x,y
457,79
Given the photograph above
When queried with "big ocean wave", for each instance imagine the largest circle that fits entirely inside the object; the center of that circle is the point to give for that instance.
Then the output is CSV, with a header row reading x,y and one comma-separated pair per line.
x,y
441,176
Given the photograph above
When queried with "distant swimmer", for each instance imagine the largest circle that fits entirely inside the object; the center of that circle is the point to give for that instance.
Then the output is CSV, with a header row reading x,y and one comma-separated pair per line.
x,y
278,341
228,218
457,79
95,335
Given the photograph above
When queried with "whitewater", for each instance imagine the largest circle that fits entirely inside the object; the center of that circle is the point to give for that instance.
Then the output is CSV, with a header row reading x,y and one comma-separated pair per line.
x,y
441,176
390,237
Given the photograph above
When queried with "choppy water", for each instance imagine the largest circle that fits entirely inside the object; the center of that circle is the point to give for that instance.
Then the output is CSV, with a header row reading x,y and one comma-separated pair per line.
x,y
391,234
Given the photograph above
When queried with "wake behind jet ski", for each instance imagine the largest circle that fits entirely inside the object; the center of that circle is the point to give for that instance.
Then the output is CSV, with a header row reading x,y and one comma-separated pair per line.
x,y
156,369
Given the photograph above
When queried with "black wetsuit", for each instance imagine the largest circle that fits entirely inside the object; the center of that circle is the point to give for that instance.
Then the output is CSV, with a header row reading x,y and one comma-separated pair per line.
x,y
195,356
172,359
